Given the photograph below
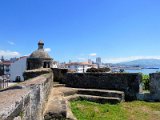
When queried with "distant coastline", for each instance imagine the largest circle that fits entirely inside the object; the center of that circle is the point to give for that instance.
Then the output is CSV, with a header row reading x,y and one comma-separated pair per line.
x,y
144,71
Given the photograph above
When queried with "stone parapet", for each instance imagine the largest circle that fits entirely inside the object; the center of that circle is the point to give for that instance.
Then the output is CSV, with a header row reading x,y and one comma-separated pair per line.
x,y
26,101
28,74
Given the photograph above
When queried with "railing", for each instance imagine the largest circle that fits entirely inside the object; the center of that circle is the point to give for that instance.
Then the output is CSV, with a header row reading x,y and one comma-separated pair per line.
x,y
3,83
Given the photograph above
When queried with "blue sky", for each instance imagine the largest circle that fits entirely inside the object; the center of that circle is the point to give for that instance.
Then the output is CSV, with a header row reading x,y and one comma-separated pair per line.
x,y
115,30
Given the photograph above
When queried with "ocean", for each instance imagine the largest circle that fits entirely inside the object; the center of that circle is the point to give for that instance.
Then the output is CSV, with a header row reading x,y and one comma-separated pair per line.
x,y
144,71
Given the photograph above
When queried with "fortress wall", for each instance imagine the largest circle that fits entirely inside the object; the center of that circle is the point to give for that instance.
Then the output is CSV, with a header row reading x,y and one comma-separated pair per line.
x,y
155,86
26,101
59,74
127,82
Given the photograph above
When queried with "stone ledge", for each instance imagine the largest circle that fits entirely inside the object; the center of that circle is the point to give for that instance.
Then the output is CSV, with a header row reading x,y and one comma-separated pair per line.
x,y
36,72
27,99
39,70
37,80
11,102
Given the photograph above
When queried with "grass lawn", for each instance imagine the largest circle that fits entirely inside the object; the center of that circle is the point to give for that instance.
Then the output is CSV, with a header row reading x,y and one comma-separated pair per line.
x,y
137,110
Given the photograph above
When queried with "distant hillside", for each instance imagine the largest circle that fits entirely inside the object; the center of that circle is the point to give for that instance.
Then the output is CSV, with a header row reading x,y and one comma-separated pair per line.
x,y
143,62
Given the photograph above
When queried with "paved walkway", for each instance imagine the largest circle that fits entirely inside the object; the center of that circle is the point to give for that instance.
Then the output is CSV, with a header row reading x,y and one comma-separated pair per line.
x,y
58,106
11,84
6,85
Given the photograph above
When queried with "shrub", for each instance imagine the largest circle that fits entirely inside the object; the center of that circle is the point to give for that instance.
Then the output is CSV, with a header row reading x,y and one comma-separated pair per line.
x,y
121,71
145,81
98,70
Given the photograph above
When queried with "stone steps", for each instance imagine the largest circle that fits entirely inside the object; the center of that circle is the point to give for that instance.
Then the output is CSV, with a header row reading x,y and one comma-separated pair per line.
x,y
98,99
56,83
58,106
92,92
102,93
59,85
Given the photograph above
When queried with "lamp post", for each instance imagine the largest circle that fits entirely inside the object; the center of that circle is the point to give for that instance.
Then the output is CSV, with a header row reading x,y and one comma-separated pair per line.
x,y
83,68
3,76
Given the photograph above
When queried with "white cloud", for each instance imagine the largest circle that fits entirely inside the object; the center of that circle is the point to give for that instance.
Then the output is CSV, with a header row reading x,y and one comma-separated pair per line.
x,y
93,54
47,49
82,59
130,58
9,54
11,43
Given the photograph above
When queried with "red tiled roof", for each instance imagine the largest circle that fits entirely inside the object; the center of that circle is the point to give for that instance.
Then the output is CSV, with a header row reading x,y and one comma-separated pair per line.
x,y
6,63
78,63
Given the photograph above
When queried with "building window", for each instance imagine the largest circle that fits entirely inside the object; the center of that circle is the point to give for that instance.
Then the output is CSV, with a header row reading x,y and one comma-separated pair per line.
x,y
44,65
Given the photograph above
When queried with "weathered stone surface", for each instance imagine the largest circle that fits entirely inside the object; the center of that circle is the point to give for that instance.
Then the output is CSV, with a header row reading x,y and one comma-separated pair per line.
x,y
155,86
17,118
26,100
12,103
99,99
145,97
58,106
102,93
35,73
59,74
127,82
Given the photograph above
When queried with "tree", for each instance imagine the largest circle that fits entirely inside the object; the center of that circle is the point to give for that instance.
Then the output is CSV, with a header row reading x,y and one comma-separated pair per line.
x,y
99,70
121,70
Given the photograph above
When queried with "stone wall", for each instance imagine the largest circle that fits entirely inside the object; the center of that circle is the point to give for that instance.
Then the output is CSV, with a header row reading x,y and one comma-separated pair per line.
x,y
155,86
34,63
127,82
59,74
26,101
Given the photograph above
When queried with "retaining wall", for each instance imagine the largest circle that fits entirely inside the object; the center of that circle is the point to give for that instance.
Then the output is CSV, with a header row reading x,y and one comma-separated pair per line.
x,y
127,82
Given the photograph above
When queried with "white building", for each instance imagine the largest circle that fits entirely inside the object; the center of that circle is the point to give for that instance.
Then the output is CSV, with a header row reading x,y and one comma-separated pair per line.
x,y
79,67
54,64
17,69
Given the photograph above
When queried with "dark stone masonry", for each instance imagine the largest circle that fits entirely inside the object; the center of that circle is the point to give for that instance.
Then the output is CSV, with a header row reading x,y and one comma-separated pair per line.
x,y
127,82
155,86
59,74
